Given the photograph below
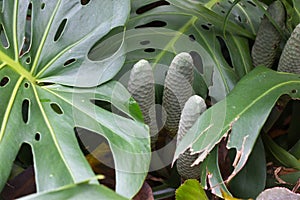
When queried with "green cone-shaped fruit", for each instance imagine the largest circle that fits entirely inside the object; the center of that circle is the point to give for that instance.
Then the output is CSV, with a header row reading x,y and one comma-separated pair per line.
x,y
193,108
290,57
267,41
141,87
177,90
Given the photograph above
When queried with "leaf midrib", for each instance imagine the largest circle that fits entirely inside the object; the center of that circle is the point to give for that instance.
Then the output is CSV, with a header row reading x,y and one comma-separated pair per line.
x,y
9,107
49,126
43,41
16,66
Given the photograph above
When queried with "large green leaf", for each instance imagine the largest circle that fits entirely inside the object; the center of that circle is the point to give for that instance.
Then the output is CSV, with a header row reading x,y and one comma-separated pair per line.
x,y
240,116
61,35
159,33
78,191
37,110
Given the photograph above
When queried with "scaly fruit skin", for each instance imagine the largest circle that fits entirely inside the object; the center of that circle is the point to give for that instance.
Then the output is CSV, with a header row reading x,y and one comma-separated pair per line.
x,y
290,57
193,108
141,87
177,90
267,41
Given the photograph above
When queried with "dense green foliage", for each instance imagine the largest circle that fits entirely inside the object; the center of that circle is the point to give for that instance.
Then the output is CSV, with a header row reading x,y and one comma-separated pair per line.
x,y
64,70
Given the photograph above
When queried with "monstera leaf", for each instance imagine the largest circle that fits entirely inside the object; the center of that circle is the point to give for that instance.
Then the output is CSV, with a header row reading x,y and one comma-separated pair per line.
x,y
239,117
157,30
48,86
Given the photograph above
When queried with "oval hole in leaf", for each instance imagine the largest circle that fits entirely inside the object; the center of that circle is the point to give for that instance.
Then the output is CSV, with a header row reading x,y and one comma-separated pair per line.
x,y
108,106
251,3
43,6
205,27
60,29
192,37
28,60
69,62
294,91
209,24
150,6
26,85
25,110
149,50
197,60
37,137
4,81
84,2
145,42
238,18
155,23
225,51
44,83
27,40
56,108
103,104
3,37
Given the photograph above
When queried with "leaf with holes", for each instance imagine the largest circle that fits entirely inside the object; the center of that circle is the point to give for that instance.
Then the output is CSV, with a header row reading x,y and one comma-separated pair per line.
x,y
60,35
43,51
240,116
157,30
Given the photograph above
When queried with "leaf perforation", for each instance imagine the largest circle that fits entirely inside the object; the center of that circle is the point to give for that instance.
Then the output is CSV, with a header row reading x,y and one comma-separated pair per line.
x,y
51,131
42,42
68,102
4,81
60,29
37,136
180,32
25,110
81,110
248,18
215,59
59,55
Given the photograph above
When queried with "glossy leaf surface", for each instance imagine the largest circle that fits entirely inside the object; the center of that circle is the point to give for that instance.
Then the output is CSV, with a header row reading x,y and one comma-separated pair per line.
x,y
158,31
248,105
43,51
190,189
